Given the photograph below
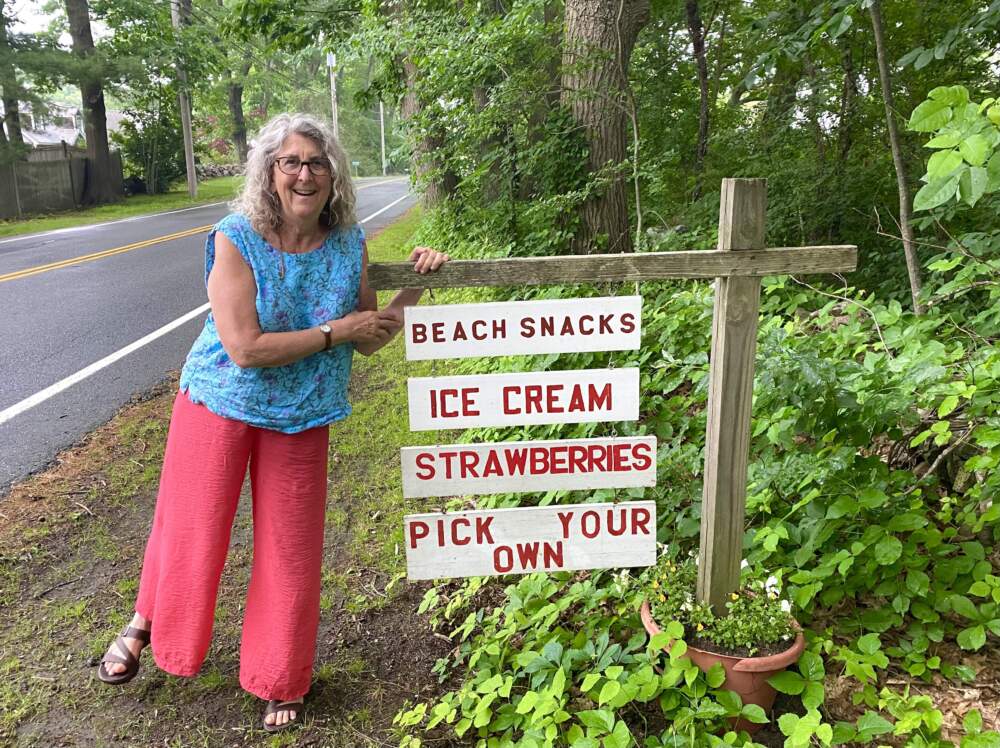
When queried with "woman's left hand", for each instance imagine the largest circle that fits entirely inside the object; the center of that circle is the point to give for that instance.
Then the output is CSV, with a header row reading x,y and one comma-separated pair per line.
x,y
427,260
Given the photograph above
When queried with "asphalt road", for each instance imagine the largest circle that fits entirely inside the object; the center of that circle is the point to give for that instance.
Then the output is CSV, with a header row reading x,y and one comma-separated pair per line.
x,y
57,322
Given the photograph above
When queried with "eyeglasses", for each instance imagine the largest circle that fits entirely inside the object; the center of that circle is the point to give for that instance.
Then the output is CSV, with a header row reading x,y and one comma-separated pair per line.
x,y
292,165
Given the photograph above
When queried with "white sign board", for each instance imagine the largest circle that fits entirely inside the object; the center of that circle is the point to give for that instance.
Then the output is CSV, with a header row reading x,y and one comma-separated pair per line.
x,y
516,467
577,396
523,327
524,540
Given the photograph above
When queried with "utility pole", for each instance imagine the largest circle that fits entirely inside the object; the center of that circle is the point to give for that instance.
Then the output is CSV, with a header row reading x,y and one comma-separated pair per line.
x,y
381,125
178,17
331,65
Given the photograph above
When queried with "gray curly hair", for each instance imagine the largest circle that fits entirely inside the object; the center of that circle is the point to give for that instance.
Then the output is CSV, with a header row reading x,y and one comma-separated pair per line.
x,y
258,201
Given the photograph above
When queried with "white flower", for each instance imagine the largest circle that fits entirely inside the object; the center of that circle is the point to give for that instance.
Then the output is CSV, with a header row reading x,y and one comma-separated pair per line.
x,y
786,606
744,564
771,585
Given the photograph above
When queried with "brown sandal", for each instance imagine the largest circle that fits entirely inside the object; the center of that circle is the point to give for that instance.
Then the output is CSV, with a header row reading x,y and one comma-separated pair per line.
x,y
129,660
274,706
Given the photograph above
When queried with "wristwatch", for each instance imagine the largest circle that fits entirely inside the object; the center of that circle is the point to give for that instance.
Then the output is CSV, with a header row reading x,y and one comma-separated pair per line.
x,y
328,332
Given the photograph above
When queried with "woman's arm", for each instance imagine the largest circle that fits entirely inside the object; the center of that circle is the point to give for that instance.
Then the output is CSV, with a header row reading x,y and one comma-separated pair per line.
x,y
232,292
425,260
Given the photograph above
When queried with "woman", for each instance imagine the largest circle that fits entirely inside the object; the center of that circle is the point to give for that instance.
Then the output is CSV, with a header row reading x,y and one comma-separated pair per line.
x,y
286,276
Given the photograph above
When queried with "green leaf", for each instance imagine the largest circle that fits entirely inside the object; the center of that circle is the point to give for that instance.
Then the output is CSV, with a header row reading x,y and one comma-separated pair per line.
x,y
975,149
620,737
869,644
527,702
597,719
930,116
491,684
610,689
730,701
754,713
956,96
813,696
964,607
972,185
716,675
586,742
788,682
589,681
906,522
947,405
972,638
986,436
973,721
946,139
941,164
888,550
872,724
811,666
935,193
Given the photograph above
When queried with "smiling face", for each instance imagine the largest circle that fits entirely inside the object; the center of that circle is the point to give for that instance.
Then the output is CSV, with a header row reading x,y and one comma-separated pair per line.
x,y
302,195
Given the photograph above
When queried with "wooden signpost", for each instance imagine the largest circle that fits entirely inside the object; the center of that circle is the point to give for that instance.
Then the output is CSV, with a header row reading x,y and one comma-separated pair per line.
x,y
737,265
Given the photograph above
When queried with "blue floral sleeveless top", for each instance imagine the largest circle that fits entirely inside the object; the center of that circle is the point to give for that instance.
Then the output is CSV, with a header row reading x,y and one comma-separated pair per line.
x,y
295,291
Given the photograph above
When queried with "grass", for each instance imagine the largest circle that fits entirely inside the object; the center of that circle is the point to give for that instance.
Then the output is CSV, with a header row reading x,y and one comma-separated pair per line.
x,y
209,191
71,542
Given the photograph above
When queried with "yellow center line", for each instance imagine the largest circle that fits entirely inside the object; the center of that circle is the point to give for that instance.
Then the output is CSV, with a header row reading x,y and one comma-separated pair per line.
x,y
98,255
127,248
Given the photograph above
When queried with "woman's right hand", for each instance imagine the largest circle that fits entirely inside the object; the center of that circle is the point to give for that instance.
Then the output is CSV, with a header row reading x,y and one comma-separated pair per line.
x,y
370,327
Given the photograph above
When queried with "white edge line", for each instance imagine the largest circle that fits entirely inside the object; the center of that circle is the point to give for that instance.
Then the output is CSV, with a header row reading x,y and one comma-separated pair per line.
x,y
64,384
88,227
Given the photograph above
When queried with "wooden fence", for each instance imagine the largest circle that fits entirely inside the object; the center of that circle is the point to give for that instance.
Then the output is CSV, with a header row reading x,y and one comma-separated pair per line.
x,y
47,186
737,265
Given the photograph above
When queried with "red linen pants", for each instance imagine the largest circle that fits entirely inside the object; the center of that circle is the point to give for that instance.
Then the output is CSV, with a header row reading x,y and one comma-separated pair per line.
x,y
203,469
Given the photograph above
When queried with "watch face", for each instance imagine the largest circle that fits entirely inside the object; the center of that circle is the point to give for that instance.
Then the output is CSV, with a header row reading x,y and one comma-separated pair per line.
x,y
325,328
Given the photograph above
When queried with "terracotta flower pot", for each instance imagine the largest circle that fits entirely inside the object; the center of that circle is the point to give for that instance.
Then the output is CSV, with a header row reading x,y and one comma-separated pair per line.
x,y
747,676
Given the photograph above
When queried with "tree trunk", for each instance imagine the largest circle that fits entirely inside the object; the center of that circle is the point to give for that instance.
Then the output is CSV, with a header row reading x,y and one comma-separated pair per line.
x,y
99,187
236,111
442,183
697,32
905,204
598,40
9,88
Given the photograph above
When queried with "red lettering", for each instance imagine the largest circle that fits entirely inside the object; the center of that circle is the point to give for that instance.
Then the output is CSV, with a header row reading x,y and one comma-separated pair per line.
x,y
620,460
460,332
584,330
641,457
493,466
440,526
469,402
425,466
557,463
551,399
565,518
483,530
576,400
628,322
539,461
447,457
533,397
507,564
507,392
611,521
477,325
599,399
437,332
469,460
578,459
590,514
567,327
500,328
554,556
527,555
598,455
454,531
527,327
418,531
605,323
640,519
516,460
548,325
418,331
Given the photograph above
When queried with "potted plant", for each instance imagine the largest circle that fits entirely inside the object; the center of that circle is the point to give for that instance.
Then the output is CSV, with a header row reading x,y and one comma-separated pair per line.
x,y
755,640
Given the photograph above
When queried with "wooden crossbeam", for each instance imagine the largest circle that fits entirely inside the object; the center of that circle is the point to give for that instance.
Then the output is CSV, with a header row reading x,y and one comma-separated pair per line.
x,y
643,266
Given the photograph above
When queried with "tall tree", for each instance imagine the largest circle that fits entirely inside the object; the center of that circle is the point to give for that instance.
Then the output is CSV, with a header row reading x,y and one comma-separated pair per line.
x,y
99,187
697,32
902,183
9,88
235,101
597,46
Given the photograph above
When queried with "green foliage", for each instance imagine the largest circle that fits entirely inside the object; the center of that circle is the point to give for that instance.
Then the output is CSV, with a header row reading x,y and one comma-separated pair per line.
x,y
755,616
